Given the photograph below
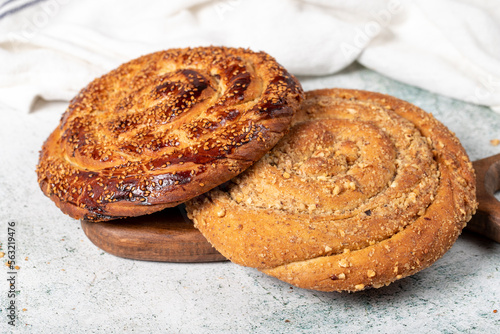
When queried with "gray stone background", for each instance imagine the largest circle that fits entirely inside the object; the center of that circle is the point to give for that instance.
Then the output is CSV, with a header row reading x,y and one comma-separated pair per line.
x,y
67,285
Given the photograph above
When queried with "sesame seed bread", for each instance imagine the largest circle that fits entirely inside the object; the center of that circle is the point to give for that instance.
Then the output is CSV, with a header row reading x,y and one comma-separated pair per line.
x,y
164,128
365,189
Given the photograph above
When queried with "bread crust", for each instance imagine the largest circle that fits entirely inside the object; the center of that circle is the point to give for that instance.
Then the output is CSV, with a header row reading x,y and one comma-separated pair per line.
x,y
364,190
164,128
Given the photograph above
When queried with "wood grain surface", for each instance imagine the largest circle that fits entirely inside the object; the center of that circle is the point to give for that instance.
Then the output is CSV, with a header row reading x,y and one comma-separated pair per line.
x,y
167,236
486,221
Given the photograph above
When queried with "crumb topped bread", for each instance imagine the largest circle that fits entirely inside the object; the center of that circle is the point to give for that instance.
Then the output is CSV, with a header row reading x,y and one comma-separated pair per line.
x,y
365,189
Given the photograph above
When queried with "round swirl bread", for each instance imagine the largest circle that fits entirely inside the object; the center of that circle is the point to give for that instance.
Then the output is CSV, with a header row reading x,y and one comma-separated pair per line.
x,y
164,128
365,189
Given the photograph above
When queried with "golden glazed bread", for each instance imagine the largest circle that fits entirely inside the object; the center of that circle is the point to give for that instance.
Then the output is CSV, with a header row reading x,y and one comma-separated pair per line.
x,y
164,128
364,190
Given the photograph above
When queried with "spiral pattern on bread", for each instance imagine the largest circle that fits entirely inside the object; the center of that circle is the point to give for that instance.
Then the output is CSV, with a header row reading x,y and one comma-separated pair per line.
x,y
164,128
365,189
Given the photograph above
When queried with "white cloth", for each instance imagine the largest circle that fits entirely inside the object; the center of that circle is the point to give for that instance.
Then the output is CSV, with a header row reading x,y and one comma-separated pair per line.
x,y
53,48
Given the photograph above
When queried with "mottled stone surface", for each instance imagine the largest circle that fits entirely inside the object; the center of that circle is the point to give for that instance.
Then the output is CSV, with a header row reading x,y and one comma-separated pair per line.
x,y
67,285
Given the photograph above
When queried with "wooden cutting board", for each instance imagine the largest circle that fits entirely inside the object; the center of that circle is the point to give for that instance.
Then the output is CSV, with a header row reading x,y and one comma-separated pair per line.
x,y
486,221
170,236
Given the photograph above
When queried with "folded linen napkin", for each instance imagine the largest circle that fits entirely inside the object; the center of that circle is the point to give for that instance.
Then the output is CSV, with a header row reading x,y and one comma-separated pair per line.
x,y
52,48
